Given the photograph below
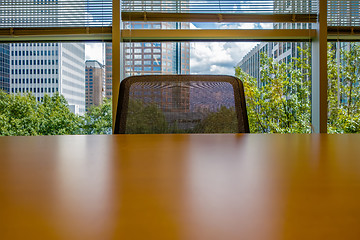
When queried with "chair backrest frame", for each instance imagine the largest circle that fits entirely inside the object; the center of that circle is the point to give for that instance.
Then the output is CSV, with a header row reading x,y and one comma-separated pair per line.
x,y
124,93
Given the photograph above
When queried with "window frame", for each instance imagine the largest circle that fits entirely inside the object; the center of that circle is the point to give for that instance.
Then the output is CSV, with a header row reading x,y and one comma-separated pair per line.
x,y
318,36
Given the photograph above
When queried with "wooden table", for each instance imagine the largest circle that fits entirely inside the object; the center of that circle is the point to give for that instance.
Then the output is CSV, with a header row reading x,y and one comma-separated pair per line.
x,y
180,187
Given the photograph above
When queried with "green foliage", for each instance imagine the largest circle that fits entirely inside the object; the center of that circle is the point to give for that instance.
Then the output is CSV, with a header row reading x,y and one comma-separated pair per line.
x,y
98,120
281,104
145,118
222,121
281,101
24,116
55,118
344,89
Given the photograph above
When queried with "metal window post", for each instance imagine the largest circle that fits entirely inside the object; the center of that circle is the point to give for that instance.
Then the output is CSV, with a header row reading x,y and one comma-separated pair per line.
x,y
319,72
116,56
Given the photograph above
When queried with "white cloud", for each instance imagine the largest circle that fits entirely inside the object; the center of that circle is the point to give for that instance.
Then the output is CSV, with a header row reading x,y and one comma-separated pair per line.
x,y
95,51
217,57
220,57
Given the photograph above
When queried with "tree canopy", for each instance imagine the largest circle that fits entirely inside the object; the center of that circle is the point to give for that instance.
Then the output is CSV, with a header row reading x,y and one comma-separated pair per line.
x,y
98,120
281,101
222,121
145,118
24,116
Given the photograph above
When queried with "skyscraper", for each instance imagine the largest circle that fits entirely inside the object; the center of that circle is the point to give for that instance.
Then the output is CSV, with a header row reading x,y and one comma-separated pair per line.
x,y
149,57
4,67
94,83
279,51
47,68
108,70
156,57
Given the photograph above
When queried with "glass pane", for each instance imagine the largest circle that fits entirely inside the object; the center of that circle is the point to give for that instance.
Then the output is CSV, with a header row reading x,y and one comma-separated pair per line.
x,y
277,79
276,75
156,58
51,88
343,87
50,13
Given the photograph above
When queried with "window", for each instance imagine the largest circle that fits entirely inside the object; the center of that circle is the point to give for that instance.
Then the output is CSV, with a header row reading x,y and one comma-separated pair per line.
x,y
71,84
174,57
343,14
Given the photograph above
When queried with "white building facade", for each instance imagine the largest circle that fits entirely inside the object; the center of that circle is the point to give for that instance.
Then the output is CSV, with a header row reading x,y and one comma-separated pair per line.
x,y
47,68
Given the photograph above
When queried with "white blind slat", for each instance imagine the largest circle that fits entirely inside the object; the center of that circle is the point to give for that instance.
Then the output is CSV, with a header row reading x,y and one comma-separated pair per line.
x,y
222,6
344,13
98,13
55,13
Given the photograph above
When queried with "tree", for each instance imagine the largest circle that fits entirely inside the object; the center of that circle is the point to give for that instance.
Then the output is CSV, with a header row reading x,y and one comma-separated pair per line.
x,y
222,121
98,120
344,89
55,117
145,118
18,115
24,116
282,101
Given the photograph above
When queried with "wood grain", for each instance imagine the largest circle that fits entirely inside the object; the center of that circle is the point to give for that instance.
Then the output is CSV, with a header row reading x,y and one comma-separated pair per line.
x,y
241,186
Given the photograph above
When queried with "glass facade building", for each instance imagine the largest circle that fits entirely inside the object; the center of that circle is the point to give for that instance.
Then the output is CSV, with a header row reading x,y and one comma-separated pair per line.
x,y
4,67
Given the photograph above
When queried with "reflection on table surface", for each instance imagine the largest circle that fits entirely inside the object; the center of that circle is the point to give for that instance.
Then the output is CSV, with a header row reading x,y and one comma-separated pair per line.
x,y
230,186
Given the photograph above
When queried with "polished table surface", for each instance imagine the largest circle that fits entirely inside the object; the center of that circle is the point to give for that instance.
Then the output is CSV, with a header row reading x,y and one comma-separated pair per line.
x,y
180,187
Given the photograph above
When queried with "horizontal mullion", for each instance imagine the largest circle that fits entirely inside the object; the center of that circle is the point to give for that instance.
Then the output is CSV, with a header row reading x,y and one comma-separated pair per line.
x,y
343,33
212,17
137,35
104,33
53,33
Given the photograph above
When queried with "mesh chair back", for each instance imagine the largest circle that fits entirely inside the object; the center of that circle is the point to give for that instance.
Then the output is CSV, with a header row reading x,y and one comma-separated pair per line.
x,y
181,104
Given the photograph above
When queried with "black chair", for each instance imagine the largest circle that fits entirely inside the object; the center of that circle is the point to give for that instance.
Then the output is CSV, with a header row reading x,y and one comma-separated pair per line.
x,y
181,104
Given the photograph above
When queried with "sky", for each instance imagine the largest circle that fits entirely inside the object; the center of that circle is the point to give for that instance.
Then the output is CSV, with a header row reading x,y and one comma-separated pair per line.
x,y
220,57
205,57
95,51
217,57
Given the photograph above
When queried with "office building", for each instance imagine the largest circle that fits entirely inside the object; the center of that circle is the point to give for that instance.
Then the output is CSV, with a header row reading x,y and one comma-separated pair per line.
x,y
250,63
108,70
5,67
279,51
149,57
47,68
94,83
155,57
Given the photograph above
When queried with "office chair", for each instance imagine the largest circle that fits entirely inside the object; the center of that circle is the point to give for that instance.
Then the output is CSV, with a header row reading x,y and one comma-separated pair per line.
x,y
181,104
